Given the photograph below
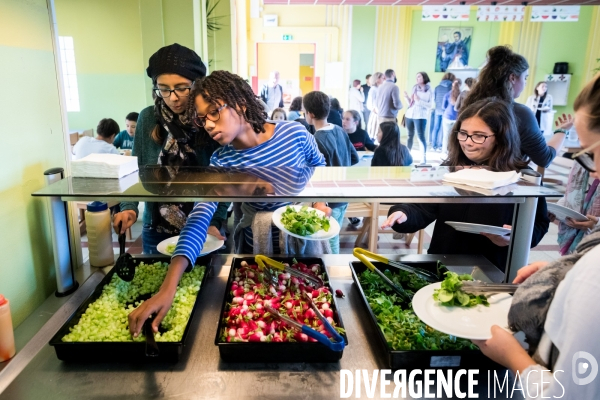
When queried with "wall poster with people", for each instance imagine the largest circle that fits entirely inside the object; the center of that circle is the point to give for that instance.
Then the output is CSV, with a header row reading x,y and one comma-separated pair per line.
x,y
453,48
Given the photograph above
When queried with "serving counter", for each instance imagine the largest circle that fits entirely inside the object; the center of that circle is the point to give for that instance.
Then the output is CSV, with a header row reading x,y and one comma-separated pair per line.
x,y
36,373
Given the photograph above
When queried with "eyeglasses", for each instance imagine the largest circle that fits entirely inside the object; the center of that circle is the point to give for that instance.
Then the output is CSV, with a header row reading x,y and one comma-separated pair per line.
x,y
213,116
179,92
475,138
585,158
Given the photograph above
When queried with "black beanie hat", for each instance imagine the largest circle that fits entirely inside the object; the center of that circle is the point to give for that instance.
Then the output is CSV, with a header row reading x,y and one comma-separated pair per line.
x,y
176,59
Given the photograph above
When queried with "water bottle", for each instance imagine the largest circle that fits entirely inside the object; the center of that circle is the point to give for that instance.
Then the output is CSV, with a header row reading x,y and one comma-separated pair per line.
x,y
97,217
7,336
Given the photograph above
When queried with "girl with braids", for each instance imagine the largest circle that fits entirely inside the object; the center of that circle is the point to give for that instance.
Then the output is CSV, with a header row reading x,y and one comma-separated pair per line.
x,y
505,76
484,135
225,105
165,135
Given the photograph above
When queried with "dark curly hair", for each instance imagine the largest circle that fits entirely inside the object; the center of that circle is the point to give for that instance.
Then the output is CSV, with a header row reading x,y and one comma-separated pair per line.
x,y
499,117
232,90
494,78
107,127
296,104
316,103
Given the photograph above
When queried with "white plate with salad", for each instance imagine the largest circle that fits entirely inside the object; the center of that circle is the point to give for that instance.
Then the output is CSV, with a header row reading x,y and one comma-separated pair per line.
x,y
167,246
473,323
305,222
562,212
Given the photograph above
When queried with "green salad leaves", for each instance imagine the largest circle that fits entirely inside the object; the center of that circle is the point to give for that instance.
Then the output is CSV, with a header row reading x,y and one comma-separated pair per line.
x,y
304,222
451,294
402,329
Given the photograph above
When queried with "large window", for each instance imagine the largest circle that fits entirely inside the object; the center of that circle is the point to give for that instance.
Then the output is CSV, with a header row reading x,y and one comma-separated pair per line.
x,y
69,71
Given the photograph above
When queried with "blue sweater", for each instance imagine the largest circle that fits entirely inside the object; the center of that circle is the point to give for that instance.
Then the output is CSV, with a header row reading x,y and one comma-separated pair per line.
x,y
440,91
449,111
290,146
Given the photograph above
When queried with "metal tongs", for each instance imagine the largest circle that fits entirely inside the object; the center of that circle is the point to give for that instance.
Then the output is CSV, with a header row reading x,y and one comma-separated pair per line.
x,y
339,343
263,261
362,255
479,287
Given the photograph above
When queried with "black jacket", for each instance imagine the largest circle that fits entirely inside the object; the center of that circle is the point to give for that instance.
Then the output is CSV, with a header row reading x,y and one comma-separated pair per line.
x,y
264,95
447,240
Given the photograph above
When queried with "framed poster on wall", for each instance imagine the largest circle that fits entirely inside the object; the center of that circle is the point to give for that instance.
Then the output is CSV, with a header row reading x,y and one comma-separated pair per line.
x,y
453,48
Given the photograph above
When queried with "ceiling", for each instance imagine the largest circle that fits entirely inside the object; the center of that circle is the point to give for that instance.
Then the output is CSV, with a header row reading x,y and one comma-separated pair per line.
x,y
430,2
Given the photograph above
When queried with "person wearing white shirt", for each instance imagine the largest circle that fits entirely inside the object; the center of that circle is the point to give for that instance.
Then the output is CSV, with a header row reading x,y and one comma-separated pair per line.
x,y
107,129
420,103
541,104
356,98
557,305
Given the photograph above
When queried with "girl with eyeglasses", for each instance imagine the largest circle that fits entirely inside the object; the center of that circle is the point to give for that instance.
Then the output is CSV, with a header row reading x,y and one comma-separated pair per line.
x,y
484,135
225,105
557,305
166,136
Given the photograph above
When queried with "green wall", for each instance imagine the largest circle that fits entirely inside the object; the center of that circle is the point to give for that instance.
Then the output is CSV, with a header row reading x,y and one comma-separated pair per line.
x,y
178,22
32,128
108,54
219,42
362,55
565,42
424,36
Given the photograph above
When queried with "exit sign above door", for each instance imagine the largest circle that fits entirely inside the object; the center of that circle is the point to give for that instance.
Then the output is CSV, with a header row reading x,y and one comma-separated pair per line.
x,y
287,37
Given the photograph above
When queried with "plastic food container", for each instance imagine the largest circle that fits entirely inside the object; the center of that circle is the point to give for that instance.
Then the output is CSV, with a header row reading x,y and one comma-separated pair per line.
x,y
97,219
7,336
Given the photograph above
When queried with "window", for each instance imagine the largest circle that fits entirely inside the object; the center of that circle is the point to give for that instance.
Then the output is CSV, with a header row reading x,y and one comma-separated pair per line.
x,y
69,72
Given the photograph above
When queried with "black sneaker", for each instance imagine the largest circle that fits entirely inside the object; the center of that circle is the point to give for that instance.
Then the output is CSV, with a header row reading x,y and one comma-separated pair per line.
x,y
354,221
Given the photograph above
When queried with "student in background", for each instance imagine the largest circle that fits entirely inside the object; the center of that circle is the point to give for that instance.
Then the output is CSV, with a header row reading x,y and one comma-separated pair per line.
x,y
390,152
366,88
106,131
278,114
469,82
373,124
358,136
124,139
420,102
356,98
272,92
295,109
540,103
335,112
334,144
438,95
450,115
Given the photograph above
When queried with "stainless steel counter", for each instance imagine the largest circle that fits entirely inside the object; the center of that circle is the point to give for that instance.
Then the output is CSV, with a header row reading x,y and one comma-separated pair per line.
x,y
201,374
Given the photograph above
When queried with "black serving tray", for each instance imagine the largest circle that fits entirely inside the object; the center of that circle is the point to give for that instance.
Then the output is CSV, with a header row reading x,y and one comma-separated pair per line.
x,y
122,351
419,359
251,352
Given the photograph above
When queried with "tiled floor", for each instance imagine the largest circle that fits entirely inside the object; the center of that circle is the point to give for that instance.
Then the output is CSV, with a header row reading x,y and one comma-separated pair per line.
x,y
546,250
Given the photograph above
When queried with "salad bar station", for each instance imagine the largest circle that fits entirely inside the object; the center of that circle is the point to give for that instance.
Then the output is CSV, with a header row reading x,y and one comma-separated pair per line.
x,y
263,326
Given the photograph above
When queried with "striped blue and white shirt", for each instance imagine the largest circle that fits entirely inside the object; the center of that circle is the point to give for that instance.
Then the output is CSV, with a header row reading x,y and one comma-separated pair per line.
x,y
290,146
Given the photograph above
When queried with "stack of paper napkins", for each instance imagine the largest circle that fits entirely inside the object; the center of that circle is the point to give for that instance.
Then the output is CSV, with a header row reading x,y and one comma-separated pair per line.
x,y
482,178
104,166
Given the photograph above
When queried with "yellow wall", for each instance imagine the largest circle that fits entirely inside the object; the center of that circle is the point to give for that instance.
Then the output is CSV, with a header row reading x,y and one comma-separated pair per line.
x,y
283,57
33,139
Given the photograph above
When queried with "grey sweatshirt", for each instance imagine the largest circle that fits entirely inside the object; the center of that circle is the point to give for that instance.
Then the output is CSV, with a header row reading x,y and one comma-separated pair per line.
x,y
388,100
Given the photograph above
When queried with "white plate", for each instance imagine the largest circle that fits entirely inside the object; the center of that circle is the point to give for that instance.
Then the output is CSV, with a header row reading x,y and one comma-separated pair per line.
x,y
563,212
468,323
211,244
334,227
478,228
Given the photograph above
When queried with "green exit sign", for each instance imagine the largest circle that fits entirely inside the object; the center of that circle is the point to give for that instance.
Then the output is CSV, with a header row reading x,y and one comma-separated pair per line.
x,y
287,37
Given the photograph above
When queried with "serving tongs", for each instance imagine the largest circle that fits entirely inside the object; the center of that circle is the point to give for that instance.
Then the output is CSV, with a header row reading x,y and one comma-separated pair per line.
x,y
339,343
479,287
124,267
263,261
399,290
151,346
362,255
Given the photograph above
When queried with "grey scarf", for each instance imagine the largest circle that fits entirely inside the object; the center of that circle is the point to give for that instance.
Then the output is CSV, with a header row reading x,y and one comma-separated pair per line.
x,y
532,300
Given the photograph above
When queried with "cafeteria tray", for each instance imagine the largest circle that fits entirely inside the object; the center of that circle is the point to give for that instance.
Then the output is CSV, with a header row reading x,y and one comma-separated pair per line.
x,y
418,359
252,352
122,351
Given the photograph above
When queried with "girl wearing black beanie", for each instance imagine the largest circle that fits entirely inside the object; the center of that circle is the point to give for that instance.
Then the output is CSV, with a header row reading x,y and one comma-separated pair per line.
x,y
166,136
